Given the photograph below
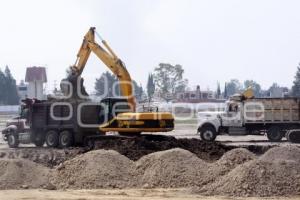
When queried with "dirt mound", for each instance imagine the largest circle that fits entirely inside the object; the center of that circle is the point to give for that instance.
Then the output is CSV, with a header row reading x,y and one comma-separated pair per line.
x,y
171,168
135,148
226,163
282,153
233,158
258,178
96,169
17,174
45,156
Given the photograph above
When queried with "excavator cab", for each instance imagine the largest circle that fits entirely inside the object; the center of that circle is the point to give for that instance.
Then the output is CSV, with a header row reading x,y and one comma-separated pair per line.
x,y
112,106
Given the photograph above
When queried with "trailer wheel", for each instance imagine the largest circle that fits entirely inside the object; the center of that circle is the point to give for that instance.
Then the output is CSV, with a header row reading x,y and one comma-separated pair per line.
x,y
65,139
52,138
208,133
12,140
274,134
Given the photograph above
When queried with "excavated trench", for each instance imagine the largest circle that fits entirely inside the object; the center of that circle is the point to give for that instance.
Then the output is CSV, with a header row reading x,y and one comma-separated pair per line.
x,y
132,148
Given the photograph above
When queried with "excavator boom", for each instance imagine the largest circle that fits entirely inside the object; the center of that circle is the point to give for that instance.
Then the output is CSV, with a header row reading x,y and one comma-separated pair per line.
x,y
109,58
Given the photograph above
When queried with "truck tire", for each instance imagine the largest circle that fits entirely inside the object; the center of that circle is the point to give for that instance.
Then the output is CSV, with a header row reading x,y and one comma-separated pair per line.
x,y
65,139
293,137
12,140
39,141
208,133
52,138
274,134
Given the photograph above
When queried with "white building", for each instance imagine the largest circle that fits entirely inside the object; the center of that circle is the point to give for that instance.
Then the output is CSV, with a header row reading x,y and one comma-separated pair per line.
x,y
36,77
22,90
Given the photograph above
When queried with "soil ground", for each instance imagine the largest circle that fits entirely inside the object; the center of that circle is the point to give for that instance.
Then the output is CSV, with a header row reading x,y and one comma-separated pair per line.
x,y
126,194
256,144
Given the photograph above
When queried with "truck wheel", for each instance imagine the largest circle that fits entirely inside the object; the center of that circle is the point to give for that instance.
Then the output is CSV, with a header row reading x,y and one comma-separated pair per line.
x,y
39,140
274,134
293,137
12,140
65,139
208,133
52,139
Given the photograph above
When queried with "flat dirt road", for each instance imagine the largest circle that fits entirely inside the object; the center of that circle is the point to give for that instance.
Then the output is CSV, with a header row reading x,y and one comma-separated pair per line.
x,y
130,194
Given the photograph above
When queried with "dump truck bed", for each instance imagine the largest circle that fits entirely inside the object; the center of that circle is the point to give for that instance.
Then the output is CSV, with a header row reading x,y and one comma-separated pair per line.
x,y
272,110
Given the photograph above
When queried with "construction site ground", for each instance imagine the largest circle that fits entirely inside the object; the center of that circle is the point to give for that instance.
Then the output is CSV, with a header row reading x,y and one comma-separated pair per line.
x,y
112,194
163,169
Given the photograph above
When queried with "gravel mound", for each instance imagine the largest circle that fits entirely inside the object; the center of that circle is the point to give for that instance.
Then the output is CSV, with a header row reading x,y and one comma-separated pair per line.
x,y
171,168
258,178
226,163
17,174
282,153
96,169
235,157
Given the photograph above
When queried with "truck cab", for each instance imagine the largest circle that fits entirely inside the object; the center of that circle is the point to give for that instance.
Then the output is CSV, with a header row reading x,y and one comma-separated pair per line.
x,y
17,128
213,123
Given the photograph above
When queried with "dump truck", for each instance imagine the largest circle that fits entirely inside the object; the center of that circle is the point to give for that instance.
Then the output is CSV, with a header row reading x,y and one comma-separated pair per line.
x,y
58,123
275,117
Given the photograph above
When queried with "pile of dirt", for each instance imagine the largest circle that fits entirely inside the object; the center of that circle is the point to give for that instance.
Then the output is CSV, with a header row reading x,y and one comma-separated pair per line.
x,y
171,168
226,163
95,169
258,178
235,157
46,156
282,153
135,148
237,172
17,174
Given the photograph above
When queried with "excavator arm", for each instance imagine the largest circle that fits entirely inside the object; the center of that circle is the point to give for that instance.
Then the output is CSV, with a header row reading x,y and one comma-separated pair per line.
x,y
109,58
127,122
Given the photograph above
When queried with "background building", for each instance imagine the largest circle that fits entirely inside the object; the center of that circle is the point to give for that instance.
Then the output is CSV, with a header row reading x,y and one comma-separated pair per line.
x,y
36,77
197,96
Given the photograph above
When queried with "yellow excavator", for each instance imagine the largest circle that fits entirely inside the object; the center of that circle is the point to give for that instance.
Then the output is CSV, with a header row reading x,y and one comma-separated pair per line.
x,y
125,122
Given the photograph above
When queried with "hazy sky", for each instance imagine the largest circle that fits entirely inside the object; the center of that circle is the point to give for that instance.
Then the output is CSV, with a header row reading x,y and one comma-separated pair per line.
x,y
212,39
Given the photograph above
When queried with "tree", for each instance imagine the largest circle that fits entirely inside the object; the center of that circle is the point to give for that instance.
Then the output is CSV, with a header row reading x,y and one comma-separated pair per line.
x,y
233,86
138,90
10,93
169,79
225,91
218,90
107,85
255,87
150,87
296,85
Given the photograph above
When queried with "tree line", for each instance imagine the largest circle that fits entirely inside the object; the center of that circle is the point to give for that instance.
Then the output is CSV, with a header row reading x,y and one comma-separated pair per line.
x,y
167,80
8,88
